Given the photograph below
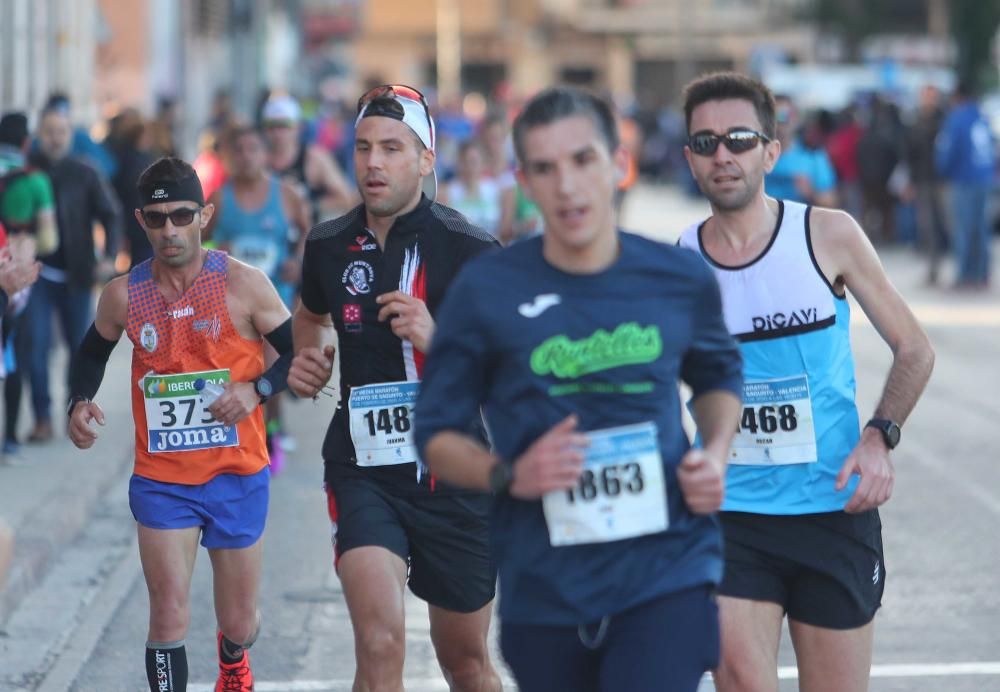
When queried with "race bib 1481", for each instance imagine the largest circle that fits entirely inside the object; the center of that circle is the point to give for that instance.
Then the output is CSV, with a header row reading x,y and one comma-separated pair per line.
x,y
382,423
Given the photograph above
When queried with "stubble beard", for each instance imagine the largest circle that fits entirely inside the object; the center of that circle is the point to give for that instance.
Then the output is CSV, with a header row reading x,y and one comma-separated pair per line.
x,y
734,200
392,204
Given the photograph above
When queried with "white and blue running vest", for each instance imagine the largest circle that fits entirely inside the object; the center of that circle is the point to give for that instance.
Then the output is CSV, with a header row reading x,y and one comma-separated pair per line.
x,y
799,420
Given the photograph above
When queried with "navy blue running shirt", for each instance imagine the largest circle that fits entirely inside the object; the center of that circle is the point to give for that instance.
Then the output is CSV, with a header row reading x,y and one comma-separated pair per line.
x,y
533,344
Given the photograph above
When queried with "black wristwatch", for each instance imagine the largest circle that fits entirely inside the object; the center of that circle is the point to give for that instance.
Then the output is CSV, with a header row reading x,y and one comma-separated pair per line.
x,y
501,476
73,401
889,429
264,388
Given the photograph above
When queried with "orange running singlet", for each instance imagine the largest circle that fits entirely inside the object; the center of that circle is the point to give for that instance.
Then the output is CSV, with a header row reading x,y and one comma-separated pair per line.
x,y
174,345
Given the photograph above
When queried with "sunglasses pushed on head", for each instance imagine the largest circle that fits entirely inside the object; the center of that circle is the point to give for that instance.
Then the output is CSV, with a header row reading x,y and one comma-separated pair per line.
x,y
398,101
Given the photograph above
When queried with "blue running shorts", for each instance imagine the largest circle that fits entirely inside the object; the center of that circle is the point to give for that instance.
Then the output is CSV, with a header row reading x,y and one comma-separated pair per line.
x,y
230,509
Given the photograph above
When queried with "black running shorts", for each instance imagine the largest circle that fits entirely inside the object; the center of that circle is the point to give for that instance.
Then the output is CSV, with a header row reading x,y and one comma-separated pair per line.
x,y
825,570
443,538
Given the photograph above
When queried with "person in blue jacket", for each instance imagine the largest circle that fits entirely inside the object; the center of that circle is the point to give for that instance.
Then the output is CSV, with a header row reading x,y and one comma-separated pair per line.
x,y
966,158
572,343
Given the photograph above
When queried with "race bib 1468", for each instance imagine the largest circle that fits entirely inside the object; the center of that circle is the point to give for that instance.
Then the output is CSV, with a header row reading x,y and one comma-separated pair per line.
x,y
176,418
776,426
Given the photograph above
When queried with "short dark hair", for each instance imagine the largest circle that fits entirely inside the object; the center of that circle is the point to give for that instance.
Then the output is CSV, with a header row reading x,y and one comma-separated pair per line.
x,y
718,86
166,169
57,100
561,102
14,129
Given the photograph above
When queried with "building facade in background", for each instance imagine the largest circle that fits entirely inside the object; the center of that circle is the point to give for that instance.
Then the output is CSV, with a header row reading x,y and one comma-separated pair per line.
x,y
630,48
46,45
108,54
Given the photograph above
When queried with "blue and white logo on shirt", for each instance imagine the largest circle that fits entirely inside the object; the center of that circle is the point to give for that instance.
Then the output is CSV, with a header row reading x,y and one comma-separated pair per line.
x,y
358,278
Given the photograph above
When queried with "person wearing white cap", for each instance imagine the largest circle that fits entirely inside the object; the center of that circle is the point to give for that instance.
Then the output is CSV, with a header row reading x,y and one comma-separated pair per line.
x,y
375,278
308,166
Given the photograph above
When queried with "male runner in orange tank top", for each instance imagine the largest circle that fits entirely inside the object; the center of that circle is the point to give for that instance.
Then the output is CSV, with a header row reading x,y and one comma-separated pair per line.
x,y
194,316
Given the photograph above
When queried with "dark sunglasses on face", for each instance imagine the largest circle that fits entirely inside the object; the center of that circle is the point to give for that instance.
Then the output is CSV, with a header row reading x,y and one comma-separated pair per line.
x,y
178,217
737,141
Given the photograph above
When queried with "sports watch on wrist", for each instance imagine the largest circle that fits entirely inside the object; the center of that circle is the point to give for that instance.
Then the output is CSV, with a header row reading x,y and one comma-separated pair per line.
x,y
501,476
889,429
264,388
73,402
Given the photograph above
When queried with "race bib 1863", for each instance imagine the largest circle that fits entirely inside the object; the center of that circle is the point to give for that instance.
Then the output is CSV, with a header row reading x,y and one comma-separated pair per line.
x,y
620,494
776,426
382,423
176,419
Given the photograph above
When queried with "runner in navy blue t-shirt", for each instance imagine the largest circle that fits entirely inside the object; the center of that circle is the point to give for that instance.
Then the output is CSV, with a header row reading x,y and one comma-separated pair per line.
x,y
573,344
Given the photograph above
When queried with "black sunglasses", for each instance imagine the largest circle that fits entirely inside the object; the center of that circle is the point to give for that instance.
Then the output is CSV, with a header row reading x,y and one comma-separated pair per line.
x,y
178,217
737,141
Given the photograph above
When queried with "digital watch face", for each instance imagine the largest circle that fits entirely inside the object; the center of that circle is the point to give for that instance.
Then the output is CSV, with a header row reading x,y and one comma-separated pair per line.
x,y
264,387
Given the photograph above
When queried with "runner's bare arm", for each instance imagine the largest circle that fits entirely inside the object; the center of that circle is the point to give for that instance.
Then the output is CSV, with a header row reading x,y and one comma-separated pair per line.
x,y
460,460
297,210
702,471
843,251
254,304
299,215
323,171
314,339
112,309
717,416
256,310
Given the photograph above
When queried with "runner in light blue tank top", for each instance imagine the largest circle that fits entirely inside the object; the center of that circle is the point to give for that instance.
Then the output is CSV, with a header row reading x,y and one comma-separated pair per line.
x,y
800,522
260,237
799,419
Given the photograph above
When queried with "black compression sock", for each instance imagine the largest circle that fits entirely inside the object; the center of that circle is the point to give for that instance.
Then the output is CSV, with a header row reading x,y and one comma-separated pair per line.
x,y
229,652
166,666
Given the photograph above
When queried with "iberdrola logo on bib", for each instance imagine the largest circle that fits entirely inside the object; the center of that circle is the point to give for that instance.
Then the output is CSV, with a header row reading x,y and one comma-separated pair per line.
x,y
628,344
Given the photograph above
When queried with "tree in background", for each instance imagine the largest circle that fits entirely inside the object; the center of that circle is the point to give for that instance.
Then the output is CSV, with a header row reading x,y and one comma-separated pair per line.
x,y
973,25
856,20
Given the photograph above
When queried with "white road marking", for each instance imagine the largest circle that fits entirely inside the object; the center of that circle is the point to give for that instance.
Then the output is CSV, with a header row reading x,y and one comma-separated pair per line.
x,y
336,685
887,670
917,670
